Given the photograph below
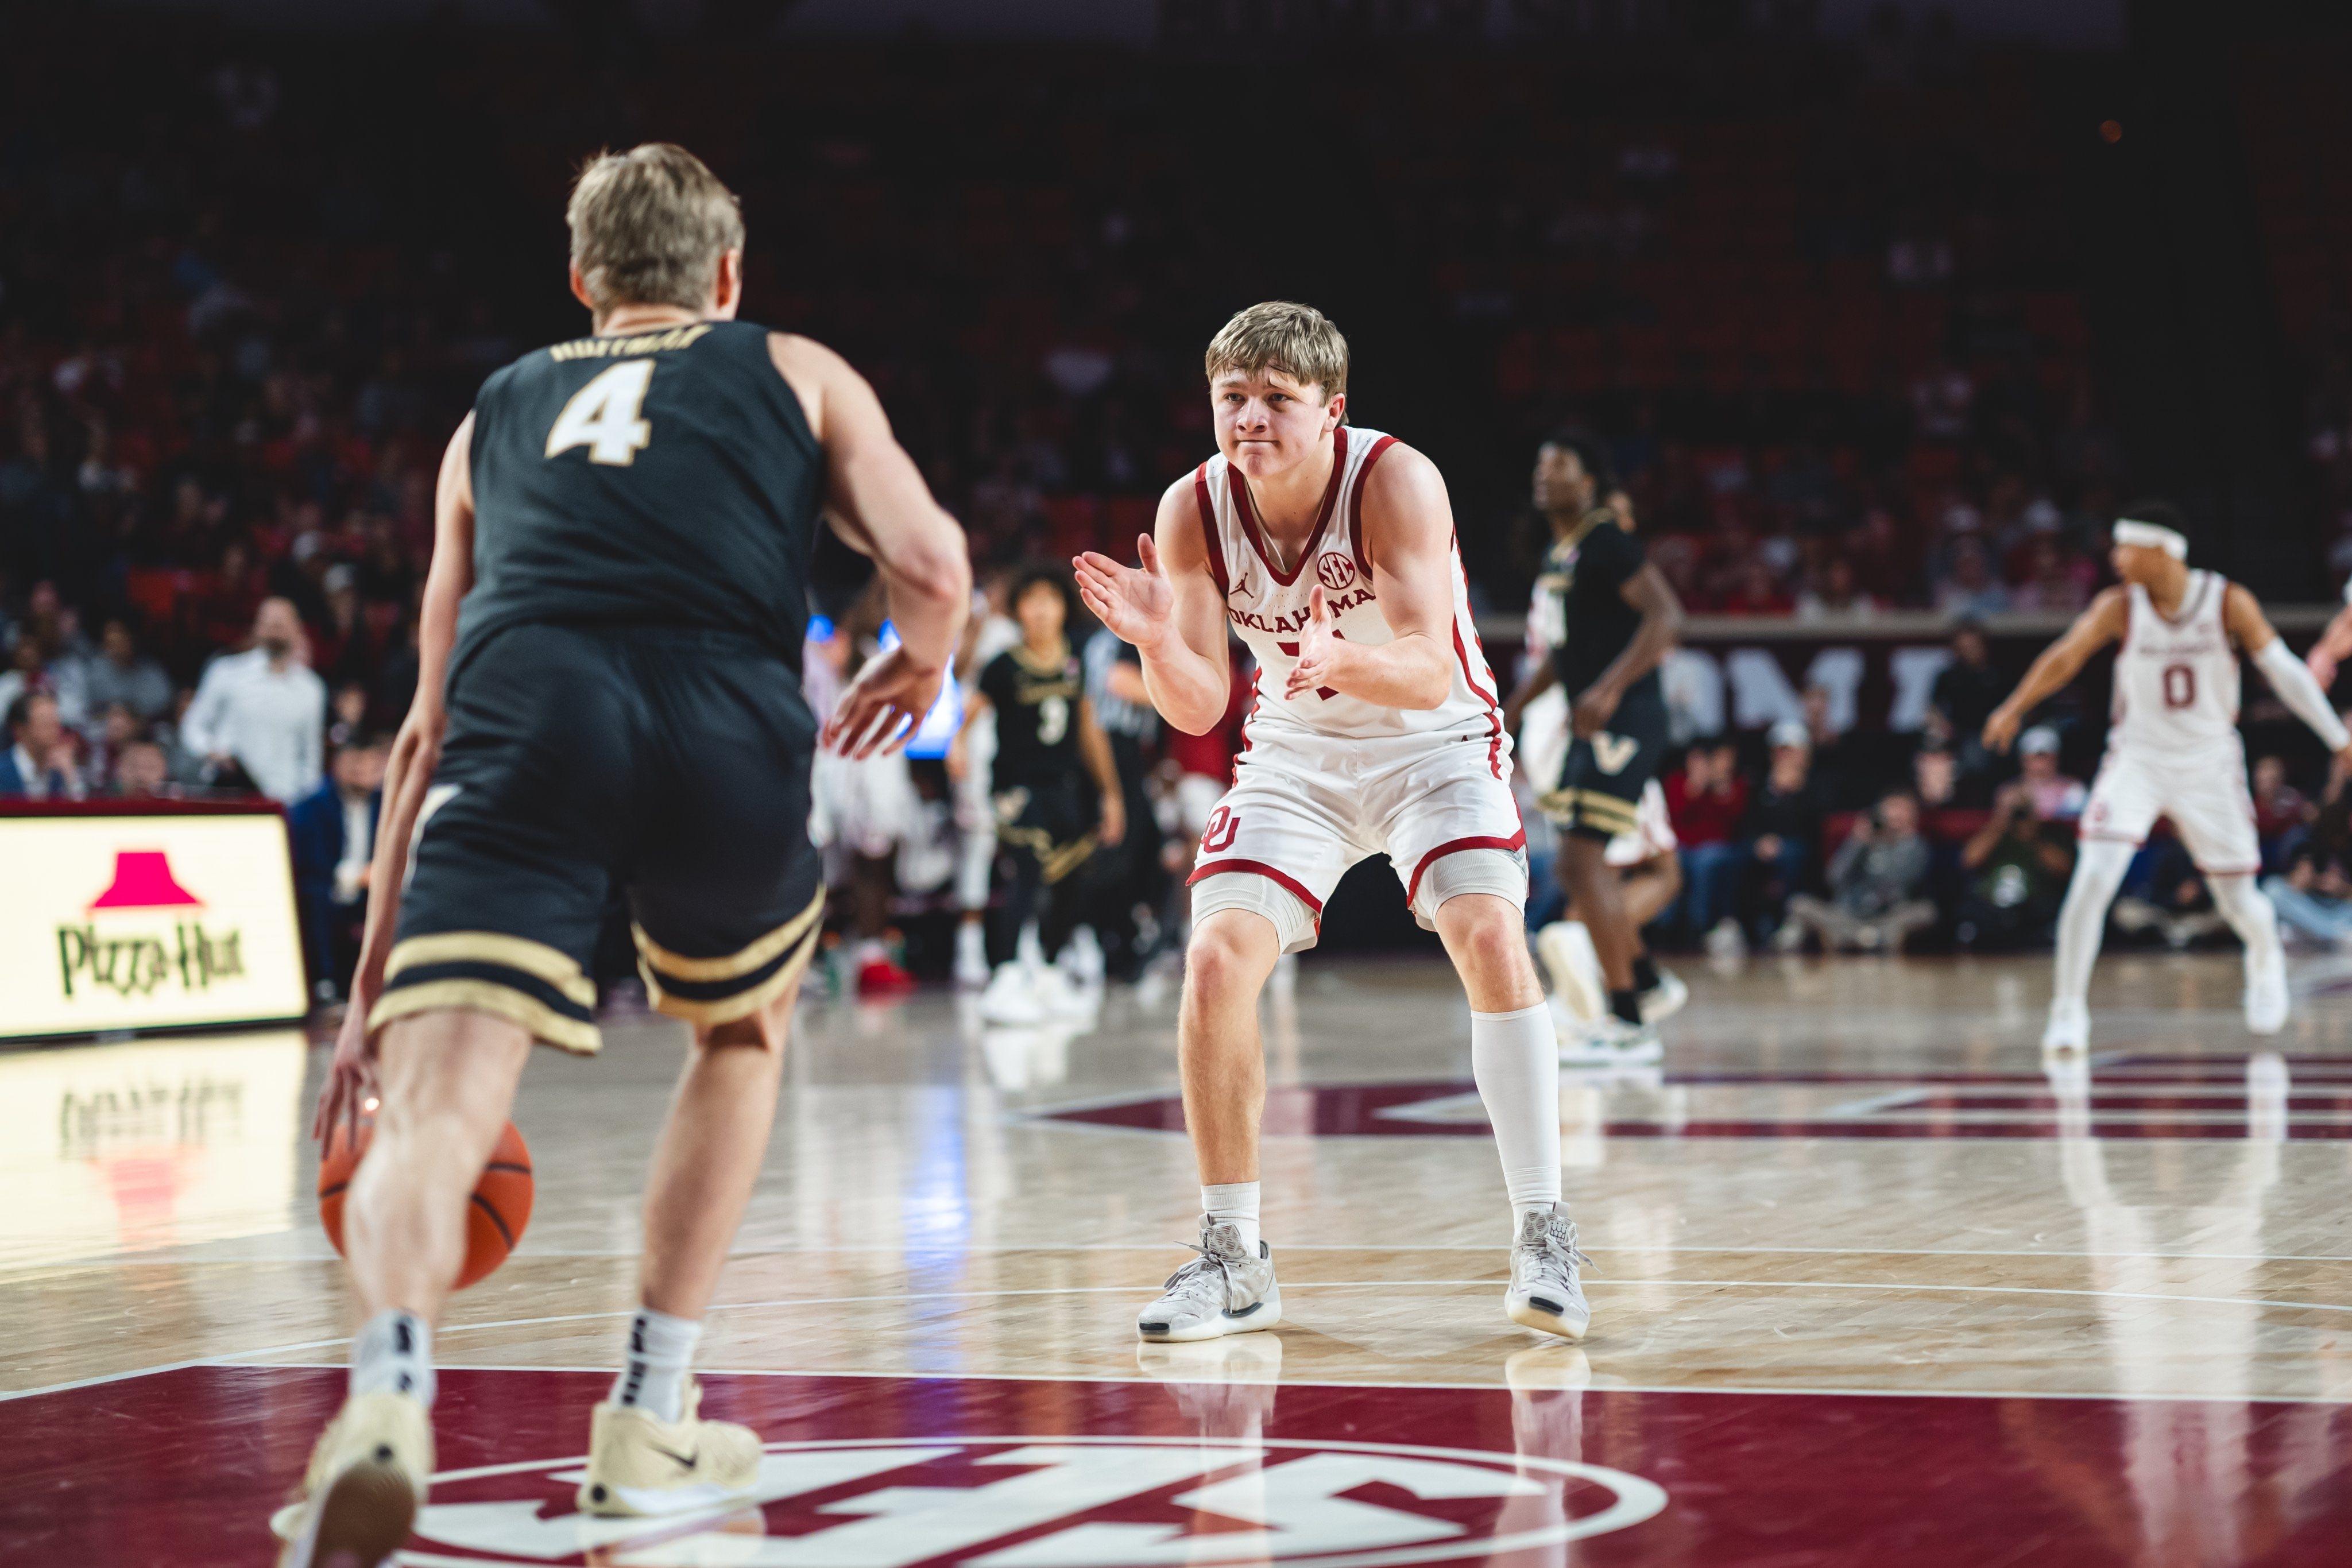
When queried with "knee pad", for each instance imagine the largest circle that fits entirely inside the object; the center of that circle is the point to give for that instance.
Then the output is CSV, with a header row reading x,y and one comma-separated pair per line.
x,y
1503,872
1292,920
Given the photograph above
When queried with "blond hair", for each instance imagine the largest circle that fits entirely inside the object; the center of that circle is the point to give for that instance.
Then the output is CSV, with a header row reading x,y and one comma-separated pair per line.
x,y
1297,340
648,226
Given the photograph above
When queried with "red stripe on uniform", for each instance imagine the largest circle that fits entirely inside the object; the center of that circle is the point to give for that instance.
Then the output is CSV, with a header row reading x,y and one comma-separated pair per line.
x,y
1209,526
1238,484
1517,841
1281,879
1494,712
1356,509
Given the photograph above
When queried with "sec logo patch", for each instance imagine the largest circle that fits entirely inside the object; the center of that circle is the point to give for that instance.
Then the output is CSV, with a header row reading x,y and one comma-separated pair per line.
x,y
1057,1503
1336,570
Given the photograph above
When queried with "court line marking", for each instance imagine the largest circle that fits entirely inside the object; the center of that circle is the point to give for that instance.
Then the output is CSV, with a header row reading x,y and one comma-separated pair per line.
x,y
1146,1379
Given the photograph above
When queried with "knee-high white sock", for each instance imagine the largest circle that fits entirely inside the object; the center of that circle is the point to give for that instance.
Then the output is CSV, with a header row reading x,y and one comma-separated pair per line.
x,y
2099,867
653,1376
2251,915
392,1353
1234,1203
1515,1057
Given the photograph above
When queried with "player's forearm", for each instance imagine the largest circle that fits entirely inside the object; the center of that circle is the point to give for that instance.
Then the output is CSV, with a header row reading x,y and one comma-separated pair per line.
x,y
2301,693
1541,678
1095,746
1652,640
1187,690
927,575
1413,672
408,774
2053,670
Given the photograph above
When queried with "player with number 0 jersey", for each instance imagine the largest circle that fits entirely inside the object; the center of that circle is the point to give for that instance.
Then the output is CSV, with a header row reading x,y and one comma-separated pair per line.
x,y
2173,751
1375,728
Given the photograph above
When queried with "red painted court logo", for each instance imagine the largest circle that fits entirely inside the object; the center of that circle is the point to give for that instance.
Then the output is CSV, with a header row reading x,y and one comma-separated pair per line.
x,y
1336,570
1057,1503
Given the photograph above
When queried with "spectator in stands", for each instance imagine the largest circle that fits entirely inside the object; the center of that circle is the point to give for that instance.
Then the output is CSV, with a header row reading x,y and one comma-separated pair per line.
x,y
262,712
2314,894
121,674
2055,797
1935,779
1878,882
1966,692
1782,828
39,764
28,671
2017,872
1832,593
333,829
2165,896
1706,799
140,772
2282,815
1969,586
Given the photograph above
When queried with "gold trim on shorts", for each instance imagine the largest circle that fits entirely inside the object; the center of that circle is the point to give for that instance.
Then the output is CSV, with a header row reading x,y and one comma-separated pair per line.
x,y
1602,809
807,927
488,996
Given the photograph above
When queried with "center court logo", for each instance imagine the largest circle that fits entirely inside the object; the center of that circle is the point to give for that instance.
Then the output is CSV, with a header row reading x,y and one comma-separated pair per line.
x,y
1057,1503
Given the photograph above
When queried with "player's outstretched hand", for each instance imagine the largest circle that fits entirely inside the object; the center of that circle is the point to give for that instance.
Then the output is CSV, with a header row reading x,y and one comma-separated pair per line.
x,y
2000,729
1136,603
1318,647
880,711
351,1079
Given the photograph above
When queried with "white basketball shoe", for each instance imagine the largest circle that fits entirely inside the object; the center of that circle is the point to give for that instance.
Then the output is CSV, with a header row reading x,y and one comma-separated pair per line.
x,y
1224,1291
1545,1293
1567,950
2069,1029
2266,998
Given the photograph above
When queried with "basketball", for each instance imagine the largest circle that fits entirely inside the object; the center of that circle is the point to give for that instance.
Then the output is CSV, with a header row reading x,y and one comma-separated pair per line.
x,y
494,1216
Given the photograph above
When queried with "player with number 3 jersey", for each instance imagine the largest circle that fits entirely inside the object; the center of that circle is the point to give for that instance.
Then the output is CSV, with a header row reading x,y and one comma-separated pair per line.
x,y
2173,751
1375,728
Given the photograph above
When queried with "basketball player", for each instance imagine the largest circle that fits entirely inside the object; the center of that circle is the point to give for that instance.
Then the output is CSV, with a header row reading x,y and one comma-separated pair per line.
x,y
1649,871
1057,790
1331,549
1612,621
627,519
2173,751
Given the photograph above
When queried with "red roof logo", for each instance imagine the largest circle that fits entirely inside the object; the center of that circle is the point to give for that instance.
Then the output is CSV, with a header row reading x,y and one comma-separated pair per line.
x,y
143,880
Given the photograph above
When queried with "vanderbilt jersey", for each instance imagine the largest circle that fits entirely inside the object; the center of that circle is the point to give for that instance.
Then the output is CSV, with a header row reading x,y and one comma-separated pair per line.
x,y
660,478
1036,702
1268,608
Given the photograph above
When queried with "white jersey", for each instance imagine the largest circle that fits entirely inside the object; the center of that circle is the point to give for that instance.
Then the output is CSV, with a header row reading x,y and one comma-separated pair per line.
x,y
2175,681
1268,608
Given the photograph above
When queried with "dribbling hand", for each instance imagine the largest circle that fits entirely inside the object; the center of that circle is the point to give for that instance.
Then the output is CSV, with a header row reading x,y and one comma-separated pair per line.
x,y
350,1078
880,711
1137,604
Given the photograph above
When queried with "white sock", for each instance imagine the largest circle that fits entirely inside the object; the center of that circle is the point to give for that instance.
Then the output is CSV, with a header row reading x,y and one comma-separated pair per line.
x,y
1233,1203
392,1353
1515,1057
2099,868
2251,915
653,1376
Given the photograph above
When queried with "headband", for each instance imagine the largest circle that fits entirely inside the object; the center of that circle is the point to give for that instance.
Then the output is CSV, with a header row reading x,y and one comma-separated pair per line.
x,y
2155,536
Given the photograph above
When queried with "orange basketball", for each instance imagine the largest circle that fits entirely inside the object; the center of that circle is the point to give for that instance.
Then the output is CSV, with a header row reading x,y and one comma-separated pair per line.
x,y
494,1220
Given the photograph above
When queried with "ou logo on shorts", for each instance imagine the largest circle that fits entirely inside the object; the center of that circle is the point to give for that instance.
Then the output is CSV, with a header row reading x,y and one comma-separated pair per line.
x,y
1336,570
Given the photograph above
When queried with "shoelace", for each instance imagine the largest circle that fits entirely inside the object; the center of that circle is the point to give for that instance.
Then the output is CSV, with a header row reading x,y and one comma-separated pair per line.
x,y
1208,1267
1559,1251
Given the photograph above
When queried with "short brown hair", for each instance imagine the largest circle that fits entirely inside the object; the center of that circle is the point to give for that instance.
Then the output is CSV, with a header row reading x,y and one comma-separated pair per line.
x,y
648,226
1297,340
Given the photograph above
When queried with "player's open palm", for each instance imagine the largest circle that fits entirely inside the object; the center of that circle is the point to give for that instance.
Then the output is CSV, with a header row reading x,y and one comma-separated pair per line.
x,y
1135,603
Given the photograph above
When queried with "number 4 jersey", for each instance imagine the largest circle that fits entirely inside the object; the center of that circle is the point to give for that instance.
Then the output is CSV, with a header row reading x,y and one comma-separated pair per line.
x,y
659,478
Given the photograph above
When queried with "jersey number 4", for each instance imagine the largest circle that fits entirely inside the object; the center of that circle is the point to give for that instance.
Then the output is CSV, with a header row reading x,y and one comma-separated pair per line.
x,y
603,416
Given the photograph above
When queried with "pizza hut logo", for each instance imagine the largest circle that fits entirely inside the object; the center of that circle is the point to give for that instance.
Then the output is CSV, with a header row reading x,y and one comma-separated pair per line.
x,y
113,949
1336,570
1057,1503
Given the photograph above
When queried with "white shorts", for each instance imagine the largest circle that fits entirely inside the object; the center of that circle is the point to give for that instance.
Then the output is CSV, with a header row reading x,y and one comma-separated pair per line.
x,y
1303,809
1653,834
2206,800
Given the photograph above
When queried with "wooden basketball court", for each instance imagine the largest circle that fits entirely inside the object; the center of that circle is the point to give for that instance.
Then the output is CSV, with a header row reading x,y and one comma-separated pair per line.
x,y
1869,1287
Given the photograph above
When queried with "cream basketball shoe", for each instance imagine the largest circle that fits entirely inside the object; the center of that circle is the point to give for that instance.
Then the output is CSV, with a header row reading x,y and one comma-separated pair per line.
x,y
366,1481
640,1465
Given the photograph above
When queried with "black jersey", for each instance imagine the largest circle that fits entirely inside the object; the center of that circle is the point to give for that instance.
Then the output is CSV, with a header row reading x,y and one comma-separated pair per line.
x,y
659,478
1036,704
1589,572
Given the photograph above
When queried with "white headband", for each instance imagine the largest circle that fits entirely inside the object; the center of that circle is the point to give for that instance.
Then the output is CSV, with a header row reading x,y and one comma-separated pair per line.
x,y
2155,536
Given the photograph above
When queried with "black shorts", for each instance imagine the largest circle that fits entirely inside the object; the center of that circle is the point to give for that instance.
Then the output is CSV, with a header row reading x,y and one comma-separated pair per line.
x,y
1058,821
674,762
1601,778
